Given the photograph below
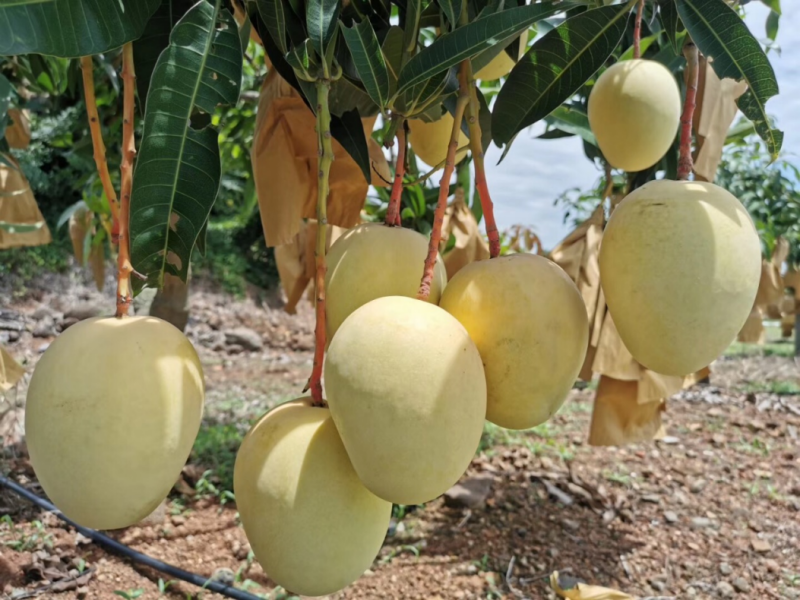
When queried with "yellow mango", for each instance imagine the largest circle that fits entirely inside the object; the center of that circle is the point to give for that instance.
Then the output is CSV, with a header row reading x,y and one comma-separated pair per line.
x,y
371,261
430,140
312,524
529,323
407,392
634,112
113,409
680,264
498,67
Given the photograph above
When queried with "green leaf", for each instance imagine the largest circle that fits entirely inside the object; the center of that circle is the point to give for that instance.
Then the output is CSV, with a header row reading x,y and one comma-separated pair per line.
x,y
321,21
411,28
644,44
272,14
6,94
393,53
775,5
20,227
671,22
348,130
369,60
721,35
470,40
573,121
485,120
178,170
155,38
72,28
773,21
452,10
555,67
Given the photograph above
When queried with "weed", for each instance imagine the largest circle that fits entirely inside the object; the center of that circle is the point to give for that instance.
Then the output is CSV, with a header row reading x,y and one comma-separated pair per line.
x,y
130,594
28,542
618,476
394,552
483,563
778,387
215,448
206,488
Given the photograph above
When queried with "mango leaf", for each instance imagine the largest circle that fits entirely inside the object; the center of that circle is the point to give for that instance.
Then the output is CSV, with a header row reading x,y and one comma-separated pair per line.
x,y
721,35
348,130
178,170
271,12
555,67
412,24
6,95
573,121
773,21
155,38
644,44
671,22
369,60
321,21
775,5
470,40
451,10
392,48
72,28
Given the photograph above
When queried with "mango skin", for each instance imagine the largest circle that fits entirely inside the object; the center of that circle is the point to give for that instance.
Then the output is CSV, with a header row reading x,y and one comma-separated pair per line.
x,y
498,67
529,323
407,392
680,264
112,412
312,524
430,140
371,261
634,112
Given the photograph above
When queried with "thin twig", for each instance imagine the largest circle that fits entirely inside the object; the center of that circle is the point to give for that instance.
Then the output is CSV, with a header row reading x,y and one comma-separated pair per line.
x,y
124,295
637,31
685,161
393,212
325,146
444,192
99,146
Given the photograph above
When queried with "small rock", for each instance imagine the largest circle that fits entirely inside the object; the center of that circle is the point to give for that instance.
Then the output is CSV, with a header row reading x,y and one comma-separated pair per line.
x,y
82,311
224,575
718,439
570,524
772,566
670,440
43,312
741,585
82,592
691,592
761,545
697,486
757,425
11,325
178,520
44,329
725,589
670,517
652,498
700,522
755,526
244,337
725,569
469,493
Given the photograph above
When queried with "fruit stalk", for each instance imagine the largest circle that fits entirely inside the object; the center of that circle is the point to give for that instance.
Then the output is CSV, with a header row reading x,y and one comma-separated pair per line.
x,y
325,147
476,145
637,30
99,146
685,161
444,189
393,212
124,267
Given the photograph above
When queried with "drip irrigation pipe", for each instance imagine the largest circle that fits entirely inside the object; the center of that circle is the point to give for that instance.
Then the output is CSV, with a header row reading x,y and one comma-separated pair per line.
x,y
123,550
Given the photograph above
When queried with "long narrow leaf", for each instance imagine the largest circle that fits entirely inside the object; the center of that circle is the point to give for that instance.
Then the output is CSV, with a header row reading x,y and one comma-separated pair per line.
x,y
369,60
470,40
721,35
555,67
671,22
272,14
72,28
321,22
178,170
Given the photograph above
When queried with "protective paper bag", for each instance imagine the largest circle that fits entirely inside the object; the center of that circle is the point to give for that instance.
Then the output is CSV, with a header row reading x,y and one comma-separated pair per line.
x,y
753,329
296,262
470,245
716,109
284,157
10,371
791,279
79,223
18,206
618,418
567,588
18,132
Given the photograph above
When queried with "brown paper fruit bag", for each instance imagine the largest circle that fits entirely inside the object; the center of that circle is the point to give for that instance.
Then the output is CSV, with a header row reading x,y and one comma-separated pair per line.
x,y
18,207
470,245
10,371
618,418
18,132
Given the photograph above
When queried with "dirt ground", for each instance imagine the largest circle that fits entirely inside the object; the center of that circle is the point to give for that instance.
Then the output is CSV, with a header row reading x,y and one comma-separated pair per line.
x,y
711,511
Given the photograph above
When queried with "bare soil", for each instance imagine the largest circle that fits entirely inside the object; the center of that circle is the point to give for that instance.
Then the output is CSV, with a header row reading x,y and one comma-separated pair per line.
x,y
712,511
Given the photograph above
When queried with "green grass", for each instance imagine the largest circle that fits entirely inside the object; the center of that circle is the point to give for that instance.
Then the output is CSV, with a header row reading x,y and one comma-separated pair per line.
x,y
779,387
739,349
215,449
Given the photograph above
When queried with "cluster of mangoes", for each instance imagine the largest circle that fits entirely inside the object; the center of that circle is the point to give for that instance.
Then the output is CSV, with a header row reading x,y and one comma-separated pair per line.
x,y
115,404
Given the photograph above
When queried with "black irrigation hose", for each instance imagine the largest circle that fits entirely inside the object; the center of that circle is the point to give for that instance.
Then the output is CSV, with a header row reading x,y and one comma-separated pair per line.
x,y
116,547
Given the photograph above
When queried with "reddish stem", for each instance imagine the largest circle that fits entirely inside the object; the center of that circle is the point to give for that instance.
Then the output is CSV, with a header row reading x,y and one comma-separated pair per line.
x,y
124,295
637,31
476,145
393,212
444,190
685,161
